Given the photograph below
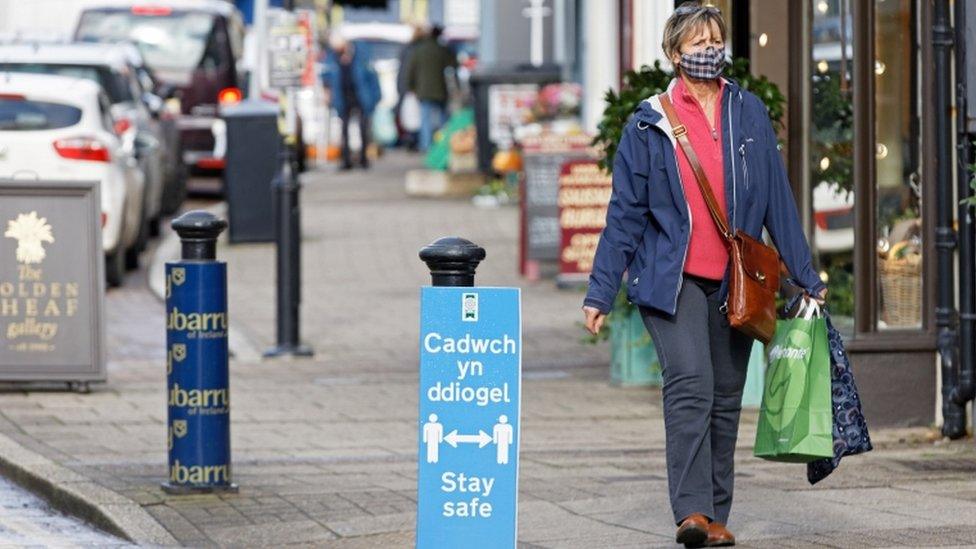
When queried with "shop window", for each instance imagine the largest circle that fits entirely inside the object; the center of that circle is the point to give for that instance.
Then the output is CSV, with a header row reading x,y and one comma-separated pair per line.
x,y
831,154
895,190
898,221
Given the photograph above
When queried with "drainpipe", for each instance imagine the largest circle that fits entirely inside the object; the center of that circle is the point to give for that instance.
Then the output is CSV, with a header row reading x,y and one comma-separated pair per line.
x,y
965,389
954,418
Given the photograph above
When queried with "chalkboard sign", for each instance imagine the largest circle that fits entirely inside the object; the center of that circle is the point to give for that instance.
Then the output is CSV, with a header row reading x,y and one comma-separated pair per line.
x,y
51,281
543,159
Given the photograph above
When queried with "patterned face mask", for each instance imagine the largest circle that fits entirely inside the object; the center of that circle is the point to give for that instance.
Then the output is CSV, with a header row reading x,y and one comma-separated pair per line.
x,y
706,64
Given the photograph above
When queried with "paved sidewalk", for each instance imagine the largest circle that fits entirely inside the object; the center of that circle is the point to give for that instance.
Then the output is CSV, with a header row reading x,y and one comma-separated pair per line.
x,y
325,449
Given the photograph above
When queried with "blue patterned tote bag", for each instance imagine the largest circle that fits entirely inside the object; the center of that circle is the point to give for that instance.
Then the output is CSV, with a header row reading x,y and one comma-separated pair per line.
x,y
850,430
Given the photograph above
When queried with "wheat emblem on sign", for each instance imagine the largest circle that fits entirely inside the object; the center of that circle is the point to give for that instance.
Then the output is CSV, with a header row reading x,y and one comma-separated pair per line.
x,y
30,232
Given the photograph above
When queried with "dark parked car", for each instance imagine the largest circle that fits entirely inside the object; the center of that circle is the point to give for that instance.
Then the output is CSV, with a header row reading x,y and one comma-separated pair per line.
x,y
193,48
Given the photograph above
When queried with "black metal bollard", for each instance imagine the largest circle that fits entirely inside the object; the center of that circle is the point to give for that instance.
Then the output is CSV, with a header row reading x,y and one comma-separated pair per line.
x,y
198,231
452,261
198,393
288,238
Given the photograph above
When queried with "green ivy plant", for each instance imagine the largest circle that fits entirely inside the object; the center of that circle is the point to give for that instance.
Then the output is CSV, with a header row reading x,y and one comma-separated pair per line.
x,y
640,84
971,199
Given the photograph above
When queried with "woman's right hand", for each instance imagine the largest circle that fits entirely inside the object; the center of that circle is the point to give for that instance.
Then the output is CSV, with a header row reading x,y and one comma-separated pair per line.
x,y
594,319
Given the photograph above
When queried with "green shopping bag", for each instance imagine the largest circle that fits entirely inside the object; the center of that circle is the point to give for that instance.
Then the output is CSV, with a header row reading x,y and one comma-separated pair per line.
x,y
795,420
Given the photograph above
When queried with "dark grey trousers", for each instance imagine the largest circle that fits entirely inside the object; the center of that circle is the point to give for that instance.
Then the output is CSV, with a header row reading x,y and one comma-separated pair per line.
x,y
703,362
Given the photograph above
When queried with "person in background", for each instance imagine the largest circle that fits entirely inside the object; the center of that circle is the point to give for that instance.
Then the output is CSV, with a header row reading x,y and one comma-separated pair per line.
x,y
355,91
408,138
426,77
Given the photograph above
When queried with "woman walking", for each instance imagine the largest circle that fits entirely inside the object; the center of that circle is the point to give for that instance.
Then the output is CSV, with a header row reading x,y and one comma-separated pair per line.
x,y
659,231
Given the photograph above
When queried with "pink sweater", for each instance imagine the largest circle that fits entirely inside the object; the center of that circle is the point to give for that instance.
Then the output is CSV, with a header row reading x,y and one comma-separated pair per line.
x,y
707,253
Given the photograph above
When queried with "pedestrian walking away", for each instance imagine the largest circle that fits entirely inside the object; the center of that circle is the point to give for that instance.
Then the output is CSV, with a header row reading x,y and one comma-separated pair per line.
x,y
660,233
355,92
427,78
408,135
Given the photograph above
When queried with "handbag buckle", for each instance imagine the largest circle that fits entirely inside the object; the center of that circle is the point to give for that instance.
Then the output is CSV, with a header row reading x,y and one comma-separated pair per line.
x,y
724,308
679,130
760,276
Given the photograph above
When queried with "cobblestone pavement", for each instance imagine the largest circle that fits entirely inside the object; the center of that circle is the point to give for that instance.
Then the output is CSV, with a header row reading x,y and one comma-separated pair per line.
x,y
325,449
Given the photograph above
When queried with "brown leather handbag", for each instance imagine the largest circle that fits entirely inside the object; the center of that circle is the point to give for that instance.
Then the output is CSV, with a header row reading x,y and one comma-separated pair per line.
x,y
754,276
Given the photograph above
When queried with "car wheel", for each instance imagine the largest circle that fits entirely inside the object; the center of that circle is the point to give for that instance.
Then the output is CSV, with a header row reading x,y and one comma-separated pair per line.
x,y
175,192
154,226
131,259
300,149
141,243
114,268
142,240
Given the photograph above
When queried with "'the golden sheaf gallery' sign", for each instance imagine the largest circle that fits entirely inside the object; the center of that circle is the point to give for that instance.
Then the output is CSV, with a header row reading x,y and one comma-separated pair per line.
x,y
33,305
50,282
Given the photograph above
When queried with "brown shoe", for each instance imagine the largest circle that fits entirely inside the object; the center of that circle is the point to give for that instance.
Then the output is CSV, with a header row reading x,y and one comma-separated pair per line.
x,y
693,530
719,535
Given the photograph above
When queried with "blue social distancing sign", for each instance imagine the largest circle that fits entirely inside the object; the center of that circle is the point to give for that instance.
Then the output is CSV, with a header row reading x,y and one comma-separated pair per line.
x,y
468,429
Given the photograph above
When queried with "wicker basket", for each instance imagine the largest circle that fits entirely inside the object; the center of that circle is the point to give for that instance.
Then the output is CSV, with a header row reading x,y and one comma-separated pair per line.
x,y
901,290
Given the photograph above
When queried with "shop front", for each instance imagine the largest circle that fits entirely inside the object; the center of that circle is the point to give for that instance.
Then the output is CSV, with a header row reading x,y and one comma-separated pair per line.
x,y
859,145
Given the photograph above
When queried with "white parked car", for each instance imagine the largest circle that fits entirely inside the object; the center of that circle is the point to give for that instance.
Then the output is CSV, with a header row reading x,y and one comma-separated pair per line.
x,y
111,66
61,128
833,216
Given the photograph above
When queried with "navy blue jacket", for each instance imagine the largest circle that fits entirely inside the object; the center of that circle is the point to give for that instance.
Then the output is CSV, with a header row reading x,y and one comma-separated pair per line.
x,y
364,79
648,221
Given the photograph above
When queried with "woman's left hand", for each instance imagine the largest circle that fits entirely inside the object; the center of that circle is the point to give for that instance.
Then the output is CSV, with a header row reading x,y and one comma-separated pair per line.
x,y
822,298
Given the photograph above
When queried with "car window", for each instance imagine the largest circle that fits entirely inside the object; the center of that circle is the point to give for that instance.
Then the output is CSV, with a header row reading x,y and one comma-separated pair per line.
x,y
105,113
18,114
128,88
146,79
133,82
173,40
113,83
213,54
236,32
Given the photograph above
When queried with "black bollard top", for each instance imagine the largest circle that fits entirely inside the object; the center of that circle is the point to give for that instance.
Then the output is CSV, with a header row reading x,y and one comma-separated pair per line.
x,y
198,230
452,261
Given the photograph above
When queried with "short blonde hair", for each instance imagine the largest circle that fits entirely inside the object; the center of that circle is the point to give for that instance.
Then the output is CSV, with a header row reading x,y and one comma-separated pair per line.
x,y
689,17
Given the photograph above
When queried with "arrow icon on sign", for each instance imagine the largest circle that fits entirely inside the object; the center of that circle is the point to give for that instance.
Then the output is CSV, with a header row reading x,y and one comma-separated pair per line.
x,y
453,438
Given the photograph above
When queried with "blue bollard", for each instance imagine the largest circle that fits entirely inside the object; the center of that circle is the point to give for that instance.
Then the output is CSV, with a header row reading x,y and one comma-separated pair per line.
x,y
198,395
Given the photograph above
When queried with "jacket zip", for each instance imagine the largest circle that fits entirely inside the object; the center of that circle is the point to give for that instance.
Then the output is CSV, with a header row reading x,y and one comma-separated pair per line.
x,y
732,159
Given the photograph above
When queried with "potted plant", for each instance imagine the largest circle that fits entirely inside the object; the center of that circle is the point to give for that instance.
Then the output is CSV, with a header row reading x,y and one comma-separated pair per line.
x,y
633,358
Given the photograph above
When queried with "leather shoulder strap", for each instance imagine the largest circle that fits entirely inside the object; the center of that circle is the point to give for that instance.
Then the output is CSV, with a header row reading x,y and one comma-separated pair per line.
x,y
681,136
